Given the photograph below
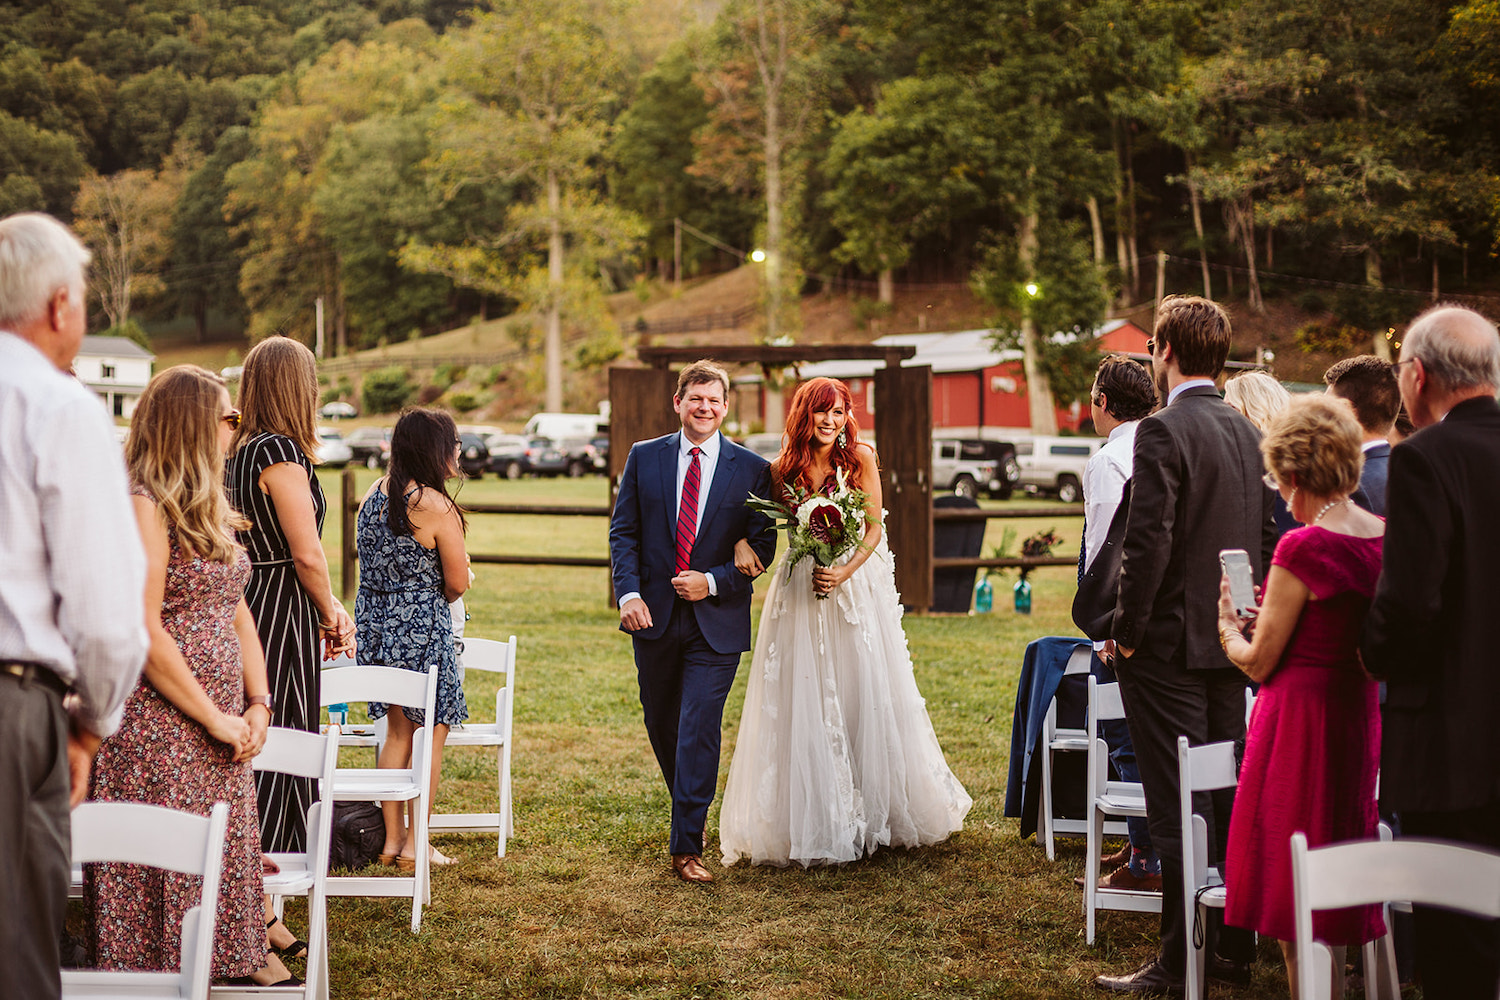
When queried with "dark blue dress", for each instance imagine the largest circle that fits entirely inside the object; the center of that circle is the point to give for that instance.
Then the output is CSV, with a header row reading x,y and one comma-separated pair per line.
x,y
401,616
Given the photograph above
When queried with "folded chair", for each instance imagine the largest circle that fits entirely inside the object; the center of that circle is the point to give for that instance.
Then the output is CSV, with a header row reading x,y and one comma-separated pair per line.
x,y
496,657
1109,801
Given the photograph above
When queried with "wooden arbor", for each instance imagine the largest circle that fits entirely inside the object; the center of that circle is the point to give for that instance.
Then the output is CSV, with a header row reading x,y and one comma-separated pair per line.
x,y
641,408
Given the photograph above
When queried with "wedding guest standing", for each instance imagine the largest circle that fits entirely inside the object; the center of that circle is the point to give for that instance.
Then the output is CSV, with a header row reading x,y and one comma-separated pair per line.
x,y
1261,399
1313,744
70,611
201,710
412,565
836,756
272,483
1369,384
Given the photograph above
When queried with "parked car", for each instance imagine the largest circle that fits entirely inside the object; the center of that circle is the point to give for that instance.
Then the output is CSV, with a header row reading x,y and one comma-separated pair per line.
x,y
582,455
333,450
473,455
370,446
337,410
767,446
1001,454
963,471
1055,464
601,452
513,456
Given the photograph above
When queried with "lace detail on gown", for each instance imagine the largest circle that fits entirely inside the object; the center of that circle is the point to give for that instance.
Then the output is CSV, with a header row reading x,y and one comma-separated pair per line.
x,y
836,756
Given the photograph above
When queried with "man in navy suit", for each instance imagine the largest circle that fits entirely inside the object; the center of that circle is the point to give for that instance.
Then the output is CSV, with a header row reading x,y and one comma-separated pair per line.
x,y
679,511
1369,384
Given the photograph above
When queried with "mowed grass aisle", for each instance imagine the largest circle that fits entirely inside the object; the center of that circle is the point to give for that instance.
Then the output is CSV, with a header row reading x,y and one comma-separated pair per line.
x,y
584,903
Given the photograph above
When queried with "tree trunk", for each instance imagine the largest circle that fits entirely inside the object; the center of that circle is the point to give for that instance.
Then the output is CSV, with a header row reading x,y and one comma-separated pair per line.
x,y
1122,248
887,283
554,294
1130,203
772,148
1040,405
200,318
1197,203
1096,224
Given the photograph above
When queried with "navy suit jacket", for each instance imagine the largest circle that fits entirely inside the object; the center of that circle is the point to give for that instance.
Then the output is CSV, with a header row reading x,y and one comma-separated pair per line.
x,y
1371,492
643,533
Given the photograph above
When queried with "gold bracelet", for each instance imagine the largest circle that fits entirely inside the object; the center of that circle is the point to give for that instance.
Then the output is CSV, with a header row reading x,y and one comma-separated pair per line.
x,y
1225,632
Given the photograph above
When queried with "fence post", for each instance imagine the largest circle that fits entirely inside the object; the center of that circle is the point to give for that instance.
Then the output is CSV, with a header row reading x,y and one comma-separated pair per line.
x,y
348,543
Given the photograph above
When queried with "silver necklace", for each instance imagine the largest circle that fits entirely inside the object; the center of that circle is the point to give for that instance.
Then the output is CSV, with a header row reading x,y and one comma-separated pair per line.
x,y
1326,508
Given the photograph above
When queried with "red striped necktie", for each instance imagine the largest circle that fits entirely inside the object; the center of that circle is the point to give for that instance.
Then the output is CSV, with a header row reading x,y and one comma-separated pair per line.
x,y
687,512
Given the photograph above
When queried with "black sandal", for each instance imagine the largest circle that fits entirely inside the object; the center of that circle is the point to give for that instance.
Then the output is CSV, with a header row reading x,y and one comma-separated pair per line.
x,y
297,949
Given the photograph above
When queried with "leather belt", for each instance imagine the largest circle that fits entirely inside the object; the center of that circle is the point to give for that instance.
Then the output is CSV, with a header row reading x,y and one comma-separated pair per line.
x,y
29,673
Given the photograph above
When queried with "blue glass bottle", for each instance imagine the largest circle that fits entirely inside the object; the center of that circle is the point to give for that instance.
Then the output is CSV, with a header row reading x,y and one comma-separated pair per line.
x,y
1023,596
984,597
338,714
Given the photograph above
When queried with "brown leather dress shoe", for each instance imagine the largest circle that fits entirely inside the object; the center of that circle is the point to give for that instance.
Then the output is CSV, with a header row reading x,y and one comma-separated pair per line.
x,y
1123,878
689,868
1110,862
1151,979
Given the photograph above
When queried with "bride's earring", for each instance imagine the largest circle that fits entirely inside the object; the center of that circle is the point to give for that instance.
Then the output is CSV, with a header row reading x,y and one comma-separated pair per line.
x,y
842,439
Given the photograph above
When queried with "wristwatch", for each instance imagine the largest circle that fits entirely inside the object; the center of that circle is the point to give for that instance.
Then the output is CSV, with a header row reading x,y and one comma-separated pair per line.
x,y
258,699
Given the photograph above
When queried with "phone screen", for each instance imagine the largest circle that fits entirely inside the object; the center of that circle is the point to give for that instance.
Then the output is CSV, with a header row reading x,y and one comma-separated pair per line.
x,y
1236,563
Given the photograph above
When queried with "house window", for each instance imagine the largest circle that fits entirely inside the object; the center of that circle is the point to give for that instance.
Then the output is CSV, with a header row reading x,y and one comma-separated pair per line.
x,y
106,371
117,403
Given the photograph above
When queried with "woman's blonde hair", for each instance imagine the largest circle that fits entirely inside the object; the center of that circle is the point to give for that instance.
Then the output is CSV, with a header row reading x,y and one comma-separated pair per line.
x,y
1258,396
279,394
173,451
1316,444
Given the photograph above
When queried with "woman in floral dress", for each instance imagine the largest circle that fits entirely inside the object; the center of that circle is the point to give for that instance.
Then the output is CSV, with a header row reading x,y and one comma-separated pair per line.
x,y
411,565
201,710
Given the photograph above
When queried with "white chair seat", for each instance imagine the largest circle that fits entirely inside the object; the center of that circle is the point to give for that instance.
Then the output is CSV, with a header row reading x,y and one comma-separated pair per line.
x,y
354,784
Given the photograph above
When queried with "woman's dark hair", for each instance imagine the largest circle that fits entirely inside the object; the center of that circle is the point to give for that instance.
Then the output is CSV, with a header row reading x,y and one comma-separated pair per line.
x,y
422,450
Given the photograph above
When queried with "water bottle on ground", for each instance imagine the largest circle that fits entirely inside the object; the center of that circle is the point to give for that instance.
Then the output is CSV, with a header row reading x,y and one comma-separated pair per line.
x,y
338,714
984,597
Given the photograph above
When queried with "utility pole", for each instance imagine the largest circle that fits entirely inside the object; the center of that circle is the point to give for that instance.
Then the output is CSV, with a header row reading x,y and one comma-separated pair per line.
x,y
677,258
318,311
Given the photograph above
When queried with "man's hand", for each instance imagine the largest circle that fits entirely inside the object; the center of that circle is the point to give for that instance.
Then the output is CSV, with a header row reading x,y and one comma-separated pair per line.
x,y
690,585
635,615
82,746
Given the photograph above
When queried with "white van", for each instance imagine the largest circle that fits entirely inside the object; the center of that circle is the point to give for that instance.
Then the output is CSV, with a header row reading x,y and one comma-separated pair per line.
x,y
561,425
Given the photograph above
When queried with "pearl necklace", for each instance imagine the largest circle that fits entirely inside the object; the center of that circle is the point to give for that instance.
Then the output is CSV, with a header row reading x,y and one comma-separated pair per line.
x,y
1326,508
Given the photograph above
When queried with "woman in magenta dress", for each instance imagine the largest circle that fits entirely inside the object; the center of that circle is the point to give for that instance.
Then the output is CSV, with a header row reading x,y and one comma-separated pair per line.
x,y
201,709
1313,744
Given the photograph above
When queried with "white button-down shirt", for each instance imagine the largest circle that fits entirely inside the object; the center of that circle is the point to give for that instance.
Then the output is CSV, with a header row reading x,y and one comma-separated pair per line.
x,y
72,572
1104,486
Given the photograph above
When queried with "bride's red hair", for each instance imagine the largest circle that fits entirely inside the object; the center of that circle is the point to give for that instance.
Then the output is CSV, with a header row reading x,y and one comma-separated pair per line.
x,y
793,464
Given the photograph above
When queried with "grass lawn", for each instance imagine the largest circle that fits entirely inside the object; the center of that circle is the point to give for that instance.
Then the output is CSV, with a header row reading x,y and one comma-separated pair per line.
x,y
584,904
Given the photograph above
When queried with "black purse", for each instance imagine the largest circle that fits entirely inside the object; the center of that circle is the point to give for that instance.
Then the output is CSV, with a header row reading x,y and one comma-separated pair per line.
x,y
1099,590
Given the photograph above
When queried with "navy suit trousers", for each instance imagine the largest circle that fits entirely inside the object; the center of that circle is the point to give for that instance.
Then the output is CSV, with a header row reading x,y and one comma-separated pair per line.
x,y
684,684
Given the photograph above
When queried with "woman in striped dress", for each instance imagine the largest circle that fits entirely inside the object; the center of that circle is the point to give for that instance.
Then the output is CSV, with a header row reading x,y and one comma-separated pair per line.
x,y
271,482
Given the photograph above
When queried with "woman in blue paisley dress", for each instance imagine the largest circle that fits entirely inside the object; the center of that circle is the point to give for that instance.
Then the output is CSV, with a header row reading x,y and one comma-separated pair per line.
x,y
412,563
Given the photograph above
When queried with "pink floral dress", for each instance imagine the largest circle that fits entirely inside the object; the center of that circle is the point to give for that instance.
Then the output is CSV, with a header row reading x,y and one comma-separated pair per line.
x,y
160,756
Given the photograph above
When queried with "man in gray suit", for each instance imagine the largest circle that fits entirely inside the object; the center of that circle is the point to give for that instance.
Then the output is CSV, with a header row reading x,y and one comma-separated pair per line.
x,y
1369,384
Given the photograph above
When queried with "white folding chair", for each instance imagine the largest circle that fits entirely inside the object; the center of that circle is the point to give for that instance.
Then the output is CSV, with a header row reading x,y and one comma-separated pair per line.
x,y
496,657
394,686
1057,739
1365,872
1108,800
139,834
1200,769
306,755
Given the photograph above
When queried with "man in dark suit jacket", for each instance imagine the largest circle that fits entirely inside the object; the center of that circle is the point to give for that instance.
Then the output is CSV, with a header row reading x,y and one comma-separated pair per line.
x,y
1430,632
1197,490
679,511
1369,385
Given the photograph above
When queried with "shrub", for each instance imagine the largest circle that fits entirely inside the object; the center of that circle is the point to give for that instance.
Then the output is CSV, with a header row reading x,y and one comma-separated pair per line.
x,y
462,401
866,310
446,375
386,390
429,394
130,330
329,395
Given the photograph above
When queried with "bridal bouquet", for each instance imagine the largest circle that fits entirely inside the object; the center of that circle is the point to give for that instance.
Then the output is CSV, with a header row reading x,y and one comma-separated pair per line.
x,y
821,525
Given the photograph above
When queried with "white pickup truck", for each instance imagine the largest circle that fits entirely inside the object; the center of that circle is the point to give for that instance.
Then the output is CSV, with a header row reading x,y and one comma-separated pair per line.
x,y
1055,464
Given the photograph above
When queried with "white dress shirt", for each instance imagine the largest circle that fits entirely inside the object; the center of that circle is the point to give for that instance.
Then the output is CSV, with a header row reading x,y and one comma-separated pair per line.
x,y
1104,485
1182,387
74,573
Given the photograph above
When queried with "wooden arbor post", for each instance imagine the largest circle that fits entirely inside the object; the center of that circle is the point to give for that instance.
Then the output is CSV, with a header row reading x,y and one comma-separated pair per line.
x,y
640,409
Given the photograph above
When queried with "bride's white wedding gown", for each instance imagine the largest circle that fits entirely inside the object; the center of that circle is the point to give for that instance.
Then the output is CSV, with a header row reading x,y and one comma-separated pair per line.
x,y
835,756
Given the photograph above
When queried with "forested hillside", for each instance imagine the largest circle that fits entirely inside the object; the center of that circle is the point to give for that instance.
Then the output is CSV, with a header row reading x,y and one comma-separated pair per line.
x,y
415,163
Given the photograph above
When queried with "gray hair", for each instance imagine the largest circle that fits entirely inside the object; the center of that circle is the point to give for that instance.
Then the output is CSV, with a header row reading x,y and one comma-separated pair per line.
x,y
38,256
1457,346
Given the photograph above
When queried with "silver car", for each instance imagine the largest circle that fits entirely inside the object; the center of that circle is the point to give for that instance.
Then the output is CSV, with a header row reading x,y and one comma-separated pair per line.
x,y
333,450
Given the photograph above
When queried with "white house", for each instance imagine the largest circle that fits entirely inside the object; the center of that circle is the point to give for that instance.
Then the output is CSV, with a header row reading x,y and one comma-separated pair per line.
x,y
117,368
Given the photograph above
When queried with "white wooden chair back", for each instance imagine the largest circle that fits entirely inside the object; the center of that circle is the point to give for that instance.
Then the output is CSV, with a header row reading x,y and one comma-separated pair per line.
x,y
1364,872
1107,800
1063,739
1206,768
396,687
140,834
490,656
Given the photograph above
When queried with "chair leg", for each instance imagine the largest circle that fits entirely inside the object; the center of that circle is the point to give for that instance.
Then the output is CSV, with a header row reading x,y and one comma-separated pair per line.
x,y
1044,807
1194,968
1095,846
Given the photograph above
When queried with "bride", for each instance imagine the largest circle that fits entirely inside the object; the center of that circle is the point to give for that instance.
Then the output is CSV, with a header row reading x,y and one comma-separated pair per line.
x,y
835,756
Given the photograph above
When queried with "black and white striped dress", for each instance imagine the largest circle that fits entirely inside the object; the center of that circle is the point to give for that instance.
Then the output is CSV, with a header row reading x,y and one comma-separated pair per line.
x,y
287,621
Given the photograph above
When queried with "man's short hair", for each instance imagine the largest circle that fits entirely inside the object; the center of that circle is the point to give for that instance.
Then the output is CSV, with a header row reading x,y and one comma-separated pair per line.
x,y
1455,362
1129,393
701,372
38,256
1369,384
1198,331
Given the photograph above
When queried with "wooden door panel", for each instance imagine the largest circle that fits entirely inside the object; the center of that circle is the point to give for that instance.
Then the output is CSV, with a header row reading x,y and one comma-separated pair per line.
x,y
903,433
